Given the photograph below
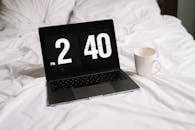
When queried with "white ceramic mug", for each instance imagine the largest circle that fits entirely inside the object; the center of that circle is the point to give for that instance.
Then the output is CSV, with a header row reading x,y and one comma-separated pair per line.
x,y
146,62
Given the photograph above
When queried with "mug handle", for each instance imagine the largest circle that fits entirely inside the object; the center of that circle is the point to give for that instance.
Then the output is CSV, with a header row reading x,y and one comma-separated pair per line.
x,y
156,64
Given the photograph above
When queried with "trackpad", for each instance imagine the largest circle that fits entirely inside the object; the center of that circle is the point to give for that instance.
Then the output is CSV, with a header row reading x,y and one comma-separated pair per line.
x,y
93,90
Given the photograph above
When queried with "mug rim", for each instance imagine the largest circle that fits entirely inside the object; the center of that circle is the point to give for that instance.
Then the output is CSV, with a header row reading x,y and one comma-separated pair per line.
x,y
138,53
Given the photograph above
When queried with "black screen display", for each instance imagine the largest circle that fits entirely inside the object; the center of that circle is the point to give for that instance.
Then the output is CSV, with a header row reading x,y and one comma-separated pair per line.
x,y
75,49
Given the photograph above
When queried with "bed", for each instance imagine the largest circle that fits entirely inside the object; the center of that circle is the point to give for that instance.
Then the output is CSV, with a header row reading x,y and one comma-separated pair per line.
x,y
165,101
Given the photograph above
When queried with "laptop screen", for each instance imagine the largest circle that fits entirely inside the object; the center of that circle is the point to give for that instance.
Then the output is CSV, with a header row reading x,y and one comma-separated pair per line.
x,y
78,49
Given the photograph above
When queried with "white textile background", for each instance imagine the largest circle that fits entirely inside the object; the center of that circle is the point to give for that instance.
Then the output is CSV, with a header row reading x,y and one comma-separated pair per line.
x,y
165,101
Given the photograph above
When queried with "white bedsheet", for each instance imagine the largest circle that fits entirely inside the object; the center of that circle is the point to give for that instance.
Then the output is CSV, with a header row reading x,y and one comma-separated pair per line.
x,y
165,101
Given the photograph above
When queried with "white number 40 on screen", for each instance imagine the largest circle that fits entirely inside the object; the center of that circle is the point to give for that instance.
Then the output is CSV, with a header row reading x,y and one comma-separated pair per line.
x,y
91,43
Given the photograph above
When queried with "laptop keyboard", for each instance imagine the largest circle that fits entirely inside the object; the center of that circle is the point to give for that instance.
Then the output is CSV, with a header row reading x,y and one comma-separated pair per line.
x,y
86,80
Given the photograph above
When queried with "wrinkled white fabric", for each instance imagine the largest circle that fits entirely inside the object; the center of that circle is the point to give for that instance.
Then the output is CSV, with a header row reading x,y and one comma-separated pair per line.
x,y
125,13
165,101
30,13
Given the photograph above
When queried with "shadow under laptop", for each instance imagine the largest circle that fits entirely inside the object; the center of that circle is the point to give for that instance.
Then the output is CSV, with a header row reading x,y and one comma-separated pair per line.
x,y
35,72
130,73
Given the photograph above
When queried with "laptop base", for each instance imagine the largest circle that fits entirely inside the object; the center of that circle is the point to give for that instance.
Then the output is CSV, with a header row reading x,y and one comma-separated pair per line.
x,y
75,93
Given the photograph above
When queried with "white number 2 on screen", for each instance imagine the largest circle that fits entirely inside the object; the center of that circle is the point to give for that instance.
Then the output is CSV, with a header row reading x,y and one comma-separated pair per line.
x,y
91,49
66,48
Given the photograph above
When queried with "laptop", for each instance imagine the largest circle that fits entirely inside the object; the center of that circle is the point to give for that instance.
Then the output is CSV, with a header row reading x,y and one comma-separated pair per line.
x,y
81,61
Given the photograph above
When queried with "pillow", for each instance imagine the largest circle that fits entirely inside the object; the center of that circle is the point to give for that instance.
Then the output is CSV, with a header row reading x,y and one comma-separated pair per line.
x,y
26,13
125,13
